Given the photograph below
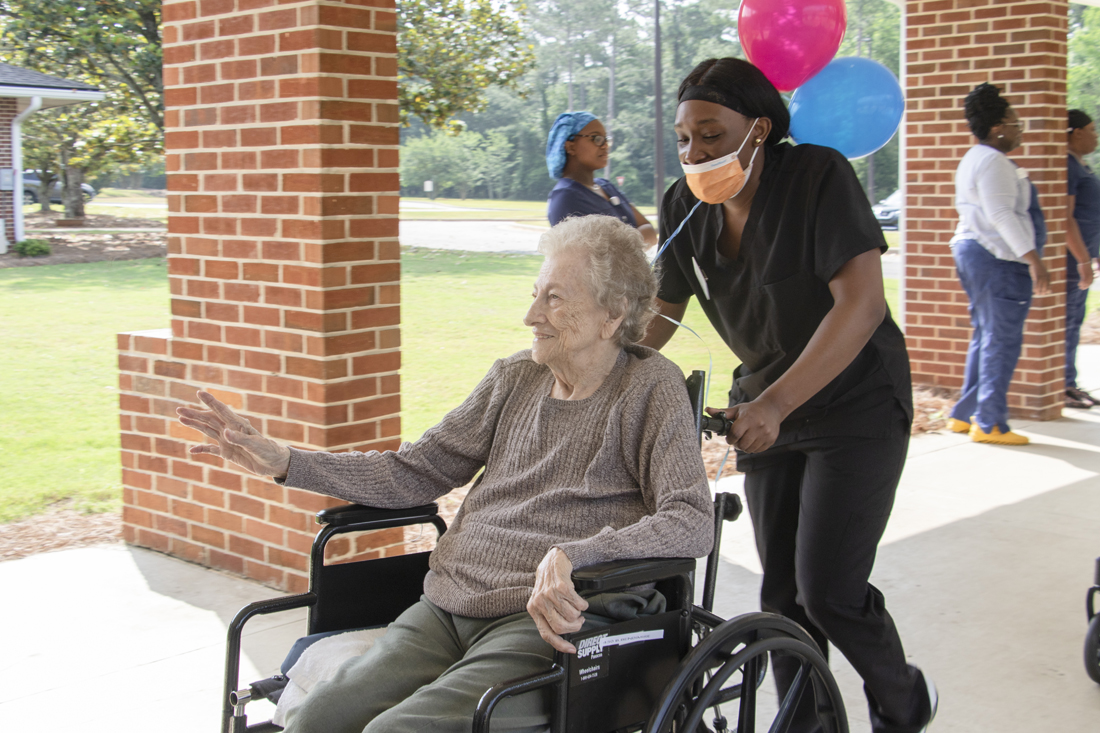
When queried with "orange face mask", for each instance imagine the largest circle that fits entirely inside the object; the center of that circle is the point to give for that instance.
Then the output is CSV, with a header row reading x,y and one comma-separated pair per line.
x,y
719,180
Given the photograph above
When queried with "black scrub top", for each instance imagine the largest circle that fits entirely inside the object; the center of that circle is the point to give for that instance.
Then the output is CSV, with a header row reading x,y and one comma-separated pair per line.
x,y
808,218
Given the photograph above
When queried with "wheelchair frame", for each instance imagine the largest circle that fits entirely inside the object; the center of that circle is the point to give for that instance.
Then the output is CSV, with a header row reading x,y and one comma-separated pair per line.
x,y
1092,635
695,684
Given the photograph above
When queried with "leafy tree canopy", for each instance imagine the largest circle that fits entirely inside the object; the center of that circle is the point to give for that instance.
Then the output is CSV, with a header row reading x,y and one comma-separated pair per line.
x,y
451,51
1084,60
108,43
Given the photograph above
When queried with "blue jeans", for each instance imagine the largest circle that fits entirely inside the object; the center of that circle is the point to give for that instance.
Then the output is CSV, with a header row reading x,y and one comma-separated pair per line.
x,y
1075,316
1000,296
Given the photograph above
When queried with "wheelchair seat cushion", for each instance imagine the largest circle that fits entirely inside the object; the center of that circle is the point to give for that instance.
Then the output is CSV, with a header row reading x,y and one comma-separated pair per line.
x,y
307,641
316,658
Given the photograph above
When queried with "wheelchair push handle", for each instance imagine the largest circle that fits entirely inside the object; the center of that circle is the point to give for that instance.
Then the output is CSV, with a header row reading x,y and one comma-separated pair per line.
x,y
715,425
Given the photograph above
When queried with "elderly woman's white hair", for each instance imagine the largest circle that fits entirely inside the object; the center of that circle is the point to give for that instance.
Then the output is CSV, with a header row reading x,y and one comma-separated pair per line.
x,y
619,276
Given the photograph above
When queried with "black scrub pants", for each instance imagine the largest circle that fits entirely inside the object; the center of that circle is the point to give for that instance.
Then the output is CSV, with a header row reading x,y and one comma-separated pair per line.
x,y
819,508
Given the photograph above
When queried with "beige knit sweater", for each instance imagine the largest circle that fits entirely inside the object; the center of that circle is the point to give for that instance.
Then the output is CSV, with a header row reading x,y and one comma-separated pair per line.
x,y
616,475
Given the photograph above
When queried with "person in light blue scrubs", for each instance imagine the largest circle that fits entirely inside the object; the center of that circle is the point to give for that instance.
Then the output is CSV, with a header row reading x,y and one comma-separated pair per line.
x,y
1082,244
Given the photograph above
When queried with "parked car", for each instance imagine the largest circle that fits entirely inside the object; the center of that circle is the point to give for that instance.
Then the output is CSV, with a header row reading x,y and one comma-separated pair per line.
x,y
888,210
31,186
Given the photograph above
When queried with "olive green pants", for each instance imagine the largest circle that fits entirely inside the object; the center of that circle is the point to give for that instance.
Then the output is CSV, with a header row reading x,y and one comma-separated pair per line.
x,y
429,670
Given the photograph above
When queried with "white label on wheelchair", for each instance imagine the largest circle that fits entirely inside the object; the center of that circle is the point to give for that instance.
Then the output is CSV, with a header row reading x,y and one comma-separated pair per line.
x,y
624,639
596,664
593,646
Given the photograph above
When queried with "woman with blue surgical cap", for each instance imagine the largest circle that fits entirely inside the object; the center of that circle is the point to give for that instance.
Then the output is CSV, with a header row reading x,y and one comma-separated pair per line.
x,y
577,147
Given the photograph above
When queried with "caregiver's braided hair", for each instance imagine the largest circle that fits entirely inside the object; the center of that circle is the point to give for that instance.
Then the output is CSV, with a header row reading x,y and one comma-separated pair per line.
x,y
985,109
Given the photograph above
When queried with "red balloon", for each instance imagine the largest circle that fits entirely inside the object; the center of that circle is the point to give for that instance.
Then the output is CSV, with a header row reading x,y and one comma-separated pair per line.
x,y
791,40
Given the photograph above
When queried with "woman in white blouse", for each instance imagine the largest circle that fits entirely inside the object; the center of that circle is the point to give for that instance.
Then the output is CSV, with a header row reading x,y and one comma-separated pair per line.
x,y
998,264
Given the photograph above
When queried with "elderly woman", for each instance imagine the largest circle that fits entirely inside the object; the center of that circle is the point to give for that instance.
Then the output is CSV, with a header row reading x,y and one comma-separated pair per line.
x,y
587,453
577,147
998,263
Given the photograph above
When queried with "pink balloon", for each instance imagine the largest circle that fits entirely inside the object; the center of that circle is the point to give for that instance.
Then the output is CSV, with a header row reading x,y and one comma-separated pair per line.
x,y
791,40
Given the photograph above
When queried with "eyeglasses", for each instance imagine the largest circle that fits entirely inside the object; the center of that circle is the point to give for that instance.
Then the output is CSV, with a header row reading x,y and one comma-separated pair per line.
x,y
597,139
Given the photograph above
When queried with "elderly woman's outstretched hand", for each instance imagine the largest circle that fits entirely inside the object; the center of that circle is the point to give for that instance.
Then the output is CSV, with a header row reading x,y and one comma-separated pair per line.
x,y
237,440
554,604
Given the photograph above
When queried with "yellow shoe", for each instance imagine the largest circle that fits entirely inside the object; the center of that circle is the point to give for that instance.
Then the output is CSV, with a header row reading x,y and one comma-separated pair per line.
x,y
957,426
996,437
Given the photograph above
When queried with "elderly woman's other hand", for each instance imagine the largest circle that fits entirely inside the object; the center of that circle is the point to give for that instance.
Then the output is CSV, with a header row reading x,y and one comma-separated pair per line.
x,y
237,440
555,605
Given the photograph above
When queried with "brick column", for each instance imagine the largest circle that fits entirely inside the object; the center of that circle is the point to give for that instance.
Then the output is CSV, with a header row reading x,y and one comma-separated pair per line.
x,y
951,47
284,271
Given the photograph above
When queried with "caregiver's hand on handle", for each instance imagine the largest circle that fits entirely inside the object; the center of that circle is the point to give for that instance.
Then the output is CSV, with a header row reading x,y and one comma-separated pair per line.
x,y
237,440
555,605
755,424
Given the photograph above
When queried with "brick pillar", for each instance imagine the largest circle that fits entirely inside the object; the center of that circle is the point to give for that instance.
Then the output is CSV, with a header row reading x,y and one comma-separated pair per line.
x,y
283,261
951,47
8,110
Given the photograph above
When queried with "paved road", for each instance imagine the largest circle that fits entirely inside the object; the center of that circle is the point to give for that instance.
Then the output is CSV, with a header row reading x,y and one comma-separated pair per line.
x,y
506,236
472,236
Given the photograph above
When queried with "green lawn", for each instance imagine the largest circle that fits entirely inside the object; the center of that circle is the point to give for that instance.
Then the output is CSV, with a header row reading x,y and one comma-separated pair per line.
x,y
59,378
449,344
58,373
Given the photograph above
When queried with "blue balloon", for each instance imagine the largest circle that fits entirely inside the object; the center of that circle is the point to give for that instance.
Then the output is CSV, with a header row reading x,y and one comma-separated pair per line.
x,y
853,105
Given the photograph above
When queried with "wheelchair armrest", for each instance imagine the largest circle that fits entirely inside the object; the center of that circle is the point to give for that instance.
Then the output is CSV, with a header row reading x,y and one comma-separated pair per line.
x,y
617,574
340,516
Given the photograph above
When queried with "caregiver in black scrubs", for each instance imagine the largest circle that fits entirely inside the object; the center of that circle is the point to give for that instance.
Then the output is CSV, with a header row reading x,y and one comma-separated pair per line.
x,y
783,254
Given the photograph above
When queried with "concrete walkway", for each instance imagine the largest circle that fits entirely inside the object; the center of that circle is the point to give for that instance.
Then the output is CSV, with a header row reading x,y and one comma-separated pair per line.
x,y
985,565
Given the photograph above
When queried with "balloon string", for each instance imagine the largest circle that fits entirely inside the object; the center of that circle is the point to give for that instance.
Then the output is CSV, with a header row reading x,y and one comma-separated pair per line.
x,y
710,357
672,236
721,466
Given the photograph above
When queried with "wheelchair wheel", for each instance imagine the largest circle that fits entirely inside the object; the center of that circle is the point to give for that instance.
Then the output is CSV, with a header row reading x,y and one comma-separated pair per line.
x,y
727,668
1092,649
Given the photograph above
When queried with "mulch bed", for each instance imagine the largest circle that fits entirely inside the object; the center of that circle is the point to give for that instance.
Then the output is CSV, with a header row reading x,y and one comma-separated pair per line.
x,y
56,529
69,247
48,220
92,247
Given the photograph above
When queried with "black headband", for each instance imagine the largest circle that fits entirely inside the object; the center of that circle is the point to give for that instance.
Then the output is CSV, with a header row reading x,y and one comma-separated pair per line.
x,y
710,94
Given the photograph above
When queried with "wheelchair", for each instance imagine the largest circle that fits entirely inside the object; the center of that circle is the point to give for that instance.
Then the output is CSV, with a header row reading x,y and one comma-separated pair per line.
x,y
1092,636
658,673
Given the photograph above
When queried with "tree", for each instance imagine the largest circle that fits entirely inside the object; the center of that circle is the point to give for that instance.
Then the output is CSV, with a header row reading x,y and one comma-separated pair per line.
x,y
598,56
1084,60
82,141
105,42
498,160
450,52
453,162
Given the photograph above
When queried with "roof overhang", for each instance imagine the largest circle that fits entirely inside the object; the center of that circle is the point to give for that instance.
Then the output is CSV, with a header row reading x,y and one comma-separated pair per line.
x,y
51,97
